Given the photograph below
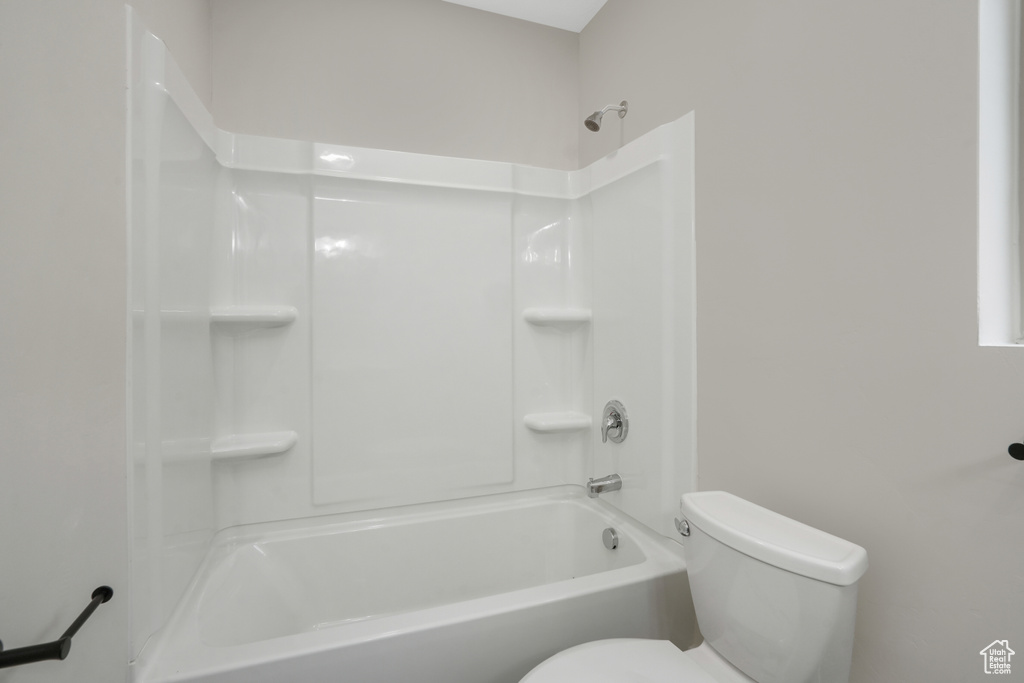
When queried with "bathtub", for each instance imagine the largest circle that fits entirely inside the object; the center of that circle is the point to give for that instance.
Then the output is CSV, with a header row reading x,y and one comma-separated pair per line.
x,y
476,591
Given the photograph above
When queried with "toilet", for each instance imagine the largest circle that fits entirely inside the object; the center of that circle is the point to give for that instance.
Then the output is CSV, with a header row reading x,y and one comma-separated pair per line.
x,y
775,601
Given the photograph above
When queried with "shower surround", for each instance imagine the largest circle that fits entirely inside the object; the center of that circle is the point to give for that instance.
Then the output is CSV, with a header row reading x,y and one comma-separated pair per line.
x,y
320,329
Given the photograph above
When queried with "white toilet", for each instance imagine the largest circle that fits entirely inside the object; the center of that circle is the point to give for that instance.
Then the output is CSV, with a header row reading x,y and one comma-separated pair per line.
x,y
775,600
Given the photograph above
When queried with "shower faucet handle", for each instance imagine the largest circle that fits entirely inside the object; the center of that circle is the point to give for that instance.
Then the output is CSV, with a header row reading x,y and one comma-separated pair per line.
x,y
614,423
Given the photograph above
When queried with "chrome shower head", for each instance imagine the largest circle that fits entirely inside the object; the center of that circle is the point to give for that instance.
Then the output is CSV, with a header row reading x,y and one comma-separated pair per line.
x,y
593,122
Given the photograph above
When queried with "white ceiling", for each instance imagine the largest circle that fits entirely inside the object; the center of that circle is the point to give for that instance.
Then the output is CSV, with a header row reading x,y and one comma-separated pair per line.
x,y
570,15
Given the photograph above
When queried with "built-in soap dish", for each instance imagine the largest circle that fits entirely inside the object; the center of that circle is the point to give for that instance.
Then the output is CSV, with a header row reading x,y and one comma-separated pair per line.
x,y
242,318
235,447
553,423
557,317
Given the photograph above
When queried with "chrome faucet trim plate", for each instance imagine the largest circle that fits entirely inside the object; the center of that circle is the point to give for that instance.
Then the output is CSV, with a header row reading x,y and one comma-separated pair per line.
x,y
614,423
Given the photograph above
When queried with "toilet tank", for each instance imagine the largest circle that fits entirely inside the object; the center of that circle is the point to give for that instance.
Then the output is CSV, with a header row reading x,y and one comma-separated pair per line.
x,y
774,597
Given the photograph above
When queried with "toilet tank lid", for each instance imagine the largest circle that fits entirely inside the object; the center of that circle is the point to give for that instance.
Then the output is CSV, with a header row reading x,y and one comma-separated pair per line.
x,y
775,539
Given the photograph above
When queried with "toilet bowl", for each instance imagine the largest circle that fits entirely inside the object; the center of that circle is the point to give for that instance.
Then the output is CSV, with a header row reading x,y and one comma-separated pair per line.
x,y
775,601
636,660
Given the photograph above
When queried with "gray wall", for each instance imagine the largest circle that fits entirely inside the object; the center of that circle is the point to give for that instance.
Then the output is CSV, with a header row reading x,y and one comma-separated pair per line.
x,y
839,379
412,75
63,284
184,26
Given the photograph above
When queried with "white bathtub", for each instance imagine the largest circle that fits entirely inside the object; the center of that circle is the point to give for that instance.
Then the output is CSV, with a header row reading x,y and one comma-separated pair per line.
x,y
476,591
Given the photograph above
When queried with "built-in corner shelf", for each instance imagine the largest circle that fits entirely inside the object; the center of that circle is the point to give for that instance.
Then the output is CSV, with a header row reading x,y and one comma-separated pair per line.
x,y
235,447
242,318
553,423
557,317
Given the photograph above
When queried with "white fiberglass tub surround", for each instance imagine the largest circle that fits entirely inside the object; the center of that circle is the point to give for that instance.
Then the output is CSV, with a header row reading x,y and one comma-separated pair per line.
x,y
475,591
320,331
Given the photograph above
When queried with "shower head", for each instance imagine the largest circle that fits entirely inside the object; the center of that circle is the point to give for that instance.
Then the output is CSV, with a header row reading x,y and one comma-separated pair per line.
x,y
593,121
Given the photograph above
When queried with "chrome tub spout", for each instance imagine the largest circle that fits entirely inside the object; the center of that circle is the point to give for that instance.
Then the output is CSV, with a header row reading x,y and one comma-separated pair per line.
x,y
596,487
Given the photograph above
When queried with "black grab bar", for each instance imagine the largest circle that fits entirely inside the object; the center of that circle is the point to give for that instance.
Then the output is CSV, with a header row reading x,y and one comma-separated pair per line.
x,y
59,648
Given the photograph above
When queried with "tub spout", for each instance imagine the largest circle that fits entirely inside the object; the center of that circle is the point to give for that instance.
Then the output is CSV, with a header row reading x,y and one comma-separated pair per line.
x,y
596,487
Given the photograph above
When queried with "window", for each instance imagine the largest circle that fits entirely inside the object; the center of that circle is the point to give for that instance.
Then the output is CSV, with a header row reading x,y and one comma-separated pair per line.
x,y
999,152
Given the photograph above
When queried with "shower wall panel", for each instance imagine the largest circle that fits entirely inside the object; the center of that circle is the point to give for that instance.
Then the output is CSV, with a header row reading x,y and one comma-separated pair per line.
x,y
534,254
412,340
644,320
552,370
263,374
173,183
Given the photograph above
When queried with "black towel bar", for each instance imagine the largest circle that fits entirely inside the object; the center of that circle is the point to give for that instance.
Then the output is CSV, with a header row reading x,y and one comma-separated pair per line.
x,y
59,648
1016,451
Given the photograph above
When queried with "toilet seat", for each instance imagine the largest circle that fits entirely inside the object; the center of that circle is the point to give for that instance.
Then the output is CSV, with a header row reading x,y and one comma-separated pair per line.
x,y
635,660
